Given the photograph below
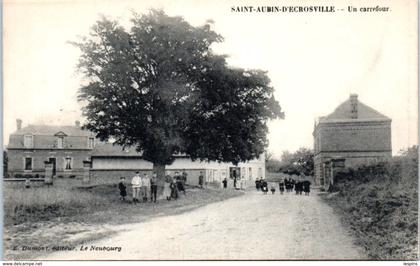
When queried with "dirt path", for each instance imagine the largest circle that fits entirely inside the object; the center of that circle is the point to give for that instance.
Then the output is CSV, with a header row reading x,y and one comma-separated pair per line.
x,y
253,226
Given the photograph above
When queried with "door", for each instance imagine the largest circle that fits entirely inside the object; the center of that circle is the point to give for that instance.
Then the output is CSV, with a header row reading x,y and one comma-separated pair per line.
x,y
54,163
235,172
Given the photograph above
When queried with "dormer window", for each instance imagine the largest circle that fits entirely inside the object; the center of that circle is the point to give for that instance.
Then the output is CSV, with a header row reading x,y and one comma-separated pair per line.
x,y
28,141
60,142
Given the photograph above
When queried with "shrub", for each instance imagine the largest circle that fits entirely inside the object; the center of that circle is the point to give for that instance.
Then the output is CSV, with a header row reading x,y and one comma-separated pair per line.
x,y
380,203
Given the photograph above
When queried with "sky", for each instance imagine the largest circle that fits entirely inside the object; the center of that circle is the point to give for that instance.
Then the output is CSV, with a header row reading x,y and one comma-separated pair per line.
x,y
314,60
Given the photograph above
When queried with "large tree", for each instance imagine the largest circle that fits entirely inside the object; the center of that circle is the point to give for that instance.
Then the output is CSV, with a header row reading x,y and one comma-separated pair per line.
x,y
160,88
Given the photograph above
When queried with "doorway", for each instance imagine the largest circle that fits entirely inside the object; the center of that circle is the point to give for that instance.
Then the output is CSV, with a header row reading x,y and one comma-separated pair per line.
x,y
54,165
235,172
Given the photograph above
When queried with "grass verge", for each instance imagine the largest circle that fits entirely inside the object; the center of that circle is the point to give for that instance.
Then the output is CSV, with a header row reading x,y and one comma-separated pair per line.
x,y
382,216
60,216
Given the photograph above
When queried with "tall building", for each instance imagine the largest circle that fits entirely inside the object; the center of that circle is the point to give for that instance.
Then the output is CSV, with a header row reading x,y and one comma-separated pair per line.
x,y
353,135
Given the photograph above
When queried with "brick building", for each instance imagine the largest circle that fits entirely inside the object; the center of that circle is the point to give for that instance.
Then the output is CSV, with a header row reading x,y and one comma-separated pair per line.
x,y
353,135
65,146
68,146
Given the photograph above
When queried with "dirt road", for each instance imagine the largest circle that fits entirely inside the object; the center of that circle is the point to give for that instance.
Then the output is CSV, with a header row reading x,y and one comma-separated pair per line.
x,y
253,226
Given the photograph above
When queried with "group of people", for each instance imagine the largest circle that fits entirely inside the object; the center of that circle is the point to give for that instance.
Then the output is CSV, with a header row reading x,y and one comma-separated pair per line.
x,y
261,184
174,185
299,186
286,184
145,188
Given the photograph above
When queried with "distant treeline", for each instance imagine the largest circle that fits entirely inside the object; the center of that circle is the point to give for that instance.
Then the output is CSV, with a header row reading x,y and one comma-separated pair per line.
x,y
300,162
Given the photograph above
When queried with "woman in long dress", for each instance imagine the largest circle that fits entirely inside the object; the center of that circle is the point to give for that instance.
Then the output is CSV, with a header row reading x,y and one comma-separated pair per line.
x,y
167,188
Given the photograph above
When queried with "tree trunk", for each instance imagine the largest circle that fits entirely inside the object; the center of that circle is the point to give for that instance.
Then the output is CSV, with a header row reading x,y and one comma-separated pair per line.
x,y
160,172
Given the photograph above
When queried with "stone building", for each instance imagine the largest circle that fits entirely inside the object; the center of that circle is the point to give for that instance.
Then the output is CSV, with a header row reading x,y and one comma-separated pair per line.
x,y
69,147
353,135
66,147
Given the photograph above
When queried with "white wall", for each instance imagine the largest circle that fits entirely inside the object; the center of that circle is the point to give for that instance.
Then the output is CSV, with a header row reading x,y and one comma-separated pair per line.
x,y
120,164
213,171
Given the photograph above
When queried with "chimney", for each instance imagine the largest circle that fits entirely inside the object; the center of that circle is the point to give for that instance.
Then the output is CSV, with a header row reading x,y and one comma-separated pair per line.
x,y
19,124
353,106
77,123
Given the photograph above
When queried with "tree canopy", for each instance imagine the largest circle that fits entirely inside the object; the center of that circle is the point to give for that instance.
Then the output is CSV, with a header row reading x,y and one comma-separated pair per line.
x,y
300,162
159,87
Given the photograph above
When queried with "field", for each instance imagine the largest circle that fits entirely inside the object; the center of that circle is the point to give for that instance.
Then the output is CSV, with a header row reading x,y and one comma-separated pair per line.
x,y
65,214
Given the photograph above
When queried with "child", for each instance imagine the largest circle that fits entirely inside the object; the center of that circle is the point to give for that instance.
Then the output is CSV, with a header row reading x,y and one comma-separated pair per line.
x,y
201,179
153,187
273,190
136,185
264,187
167,188
174,190
281,187
224,183
122,188
179,184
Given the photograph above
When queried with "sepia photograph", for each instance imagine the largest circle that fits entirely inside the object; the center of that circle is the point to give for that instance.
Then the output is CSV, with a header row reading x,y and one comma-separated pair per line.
x,y
191,130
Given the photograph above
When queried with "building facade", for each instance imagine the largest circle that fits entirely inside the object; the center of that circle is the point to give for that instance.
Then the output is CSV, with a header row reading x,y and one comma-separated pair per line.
x,y
353,135
112,161
66,147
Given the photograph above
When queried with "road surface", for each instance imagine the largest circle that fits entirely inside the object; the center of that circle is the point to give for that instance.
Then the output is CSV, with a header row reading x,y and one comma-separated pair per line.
x,y
252,226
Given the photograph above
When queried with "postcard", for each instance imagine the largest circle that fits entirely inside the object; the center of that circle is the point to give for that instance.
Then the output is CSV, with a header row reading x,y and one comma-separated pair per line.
x,y
139,130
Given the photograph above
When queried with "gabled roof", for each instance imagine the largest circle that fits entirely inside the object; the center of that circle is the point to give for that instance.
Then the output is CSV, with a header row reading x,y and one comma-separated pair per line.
x,y
52,131
60,134
364,113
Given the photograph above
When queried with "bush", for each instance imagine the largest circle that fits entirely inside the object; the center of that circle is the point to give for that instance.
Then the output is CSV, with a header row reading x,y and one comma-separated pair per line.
x,y
380,202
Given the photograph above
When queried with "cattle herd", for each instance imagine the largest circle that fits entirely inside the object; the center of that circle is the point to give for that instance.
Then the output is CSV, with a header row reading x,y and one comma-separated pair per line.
x,y
286,184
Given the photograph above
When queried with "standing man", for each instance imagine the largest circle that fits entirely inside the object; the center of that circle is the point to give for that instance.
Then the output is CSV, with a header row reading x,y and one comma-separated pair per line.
x,y
184,179
153,187
201,179
224,183
136,184
146,187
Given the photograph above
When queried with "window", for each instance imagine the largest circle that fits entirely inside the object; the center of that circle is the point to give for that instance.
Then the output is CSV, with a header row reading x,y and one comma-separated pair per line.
x,y
60,142
91,143
29,141
216,174
250,172
28,163
68,163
